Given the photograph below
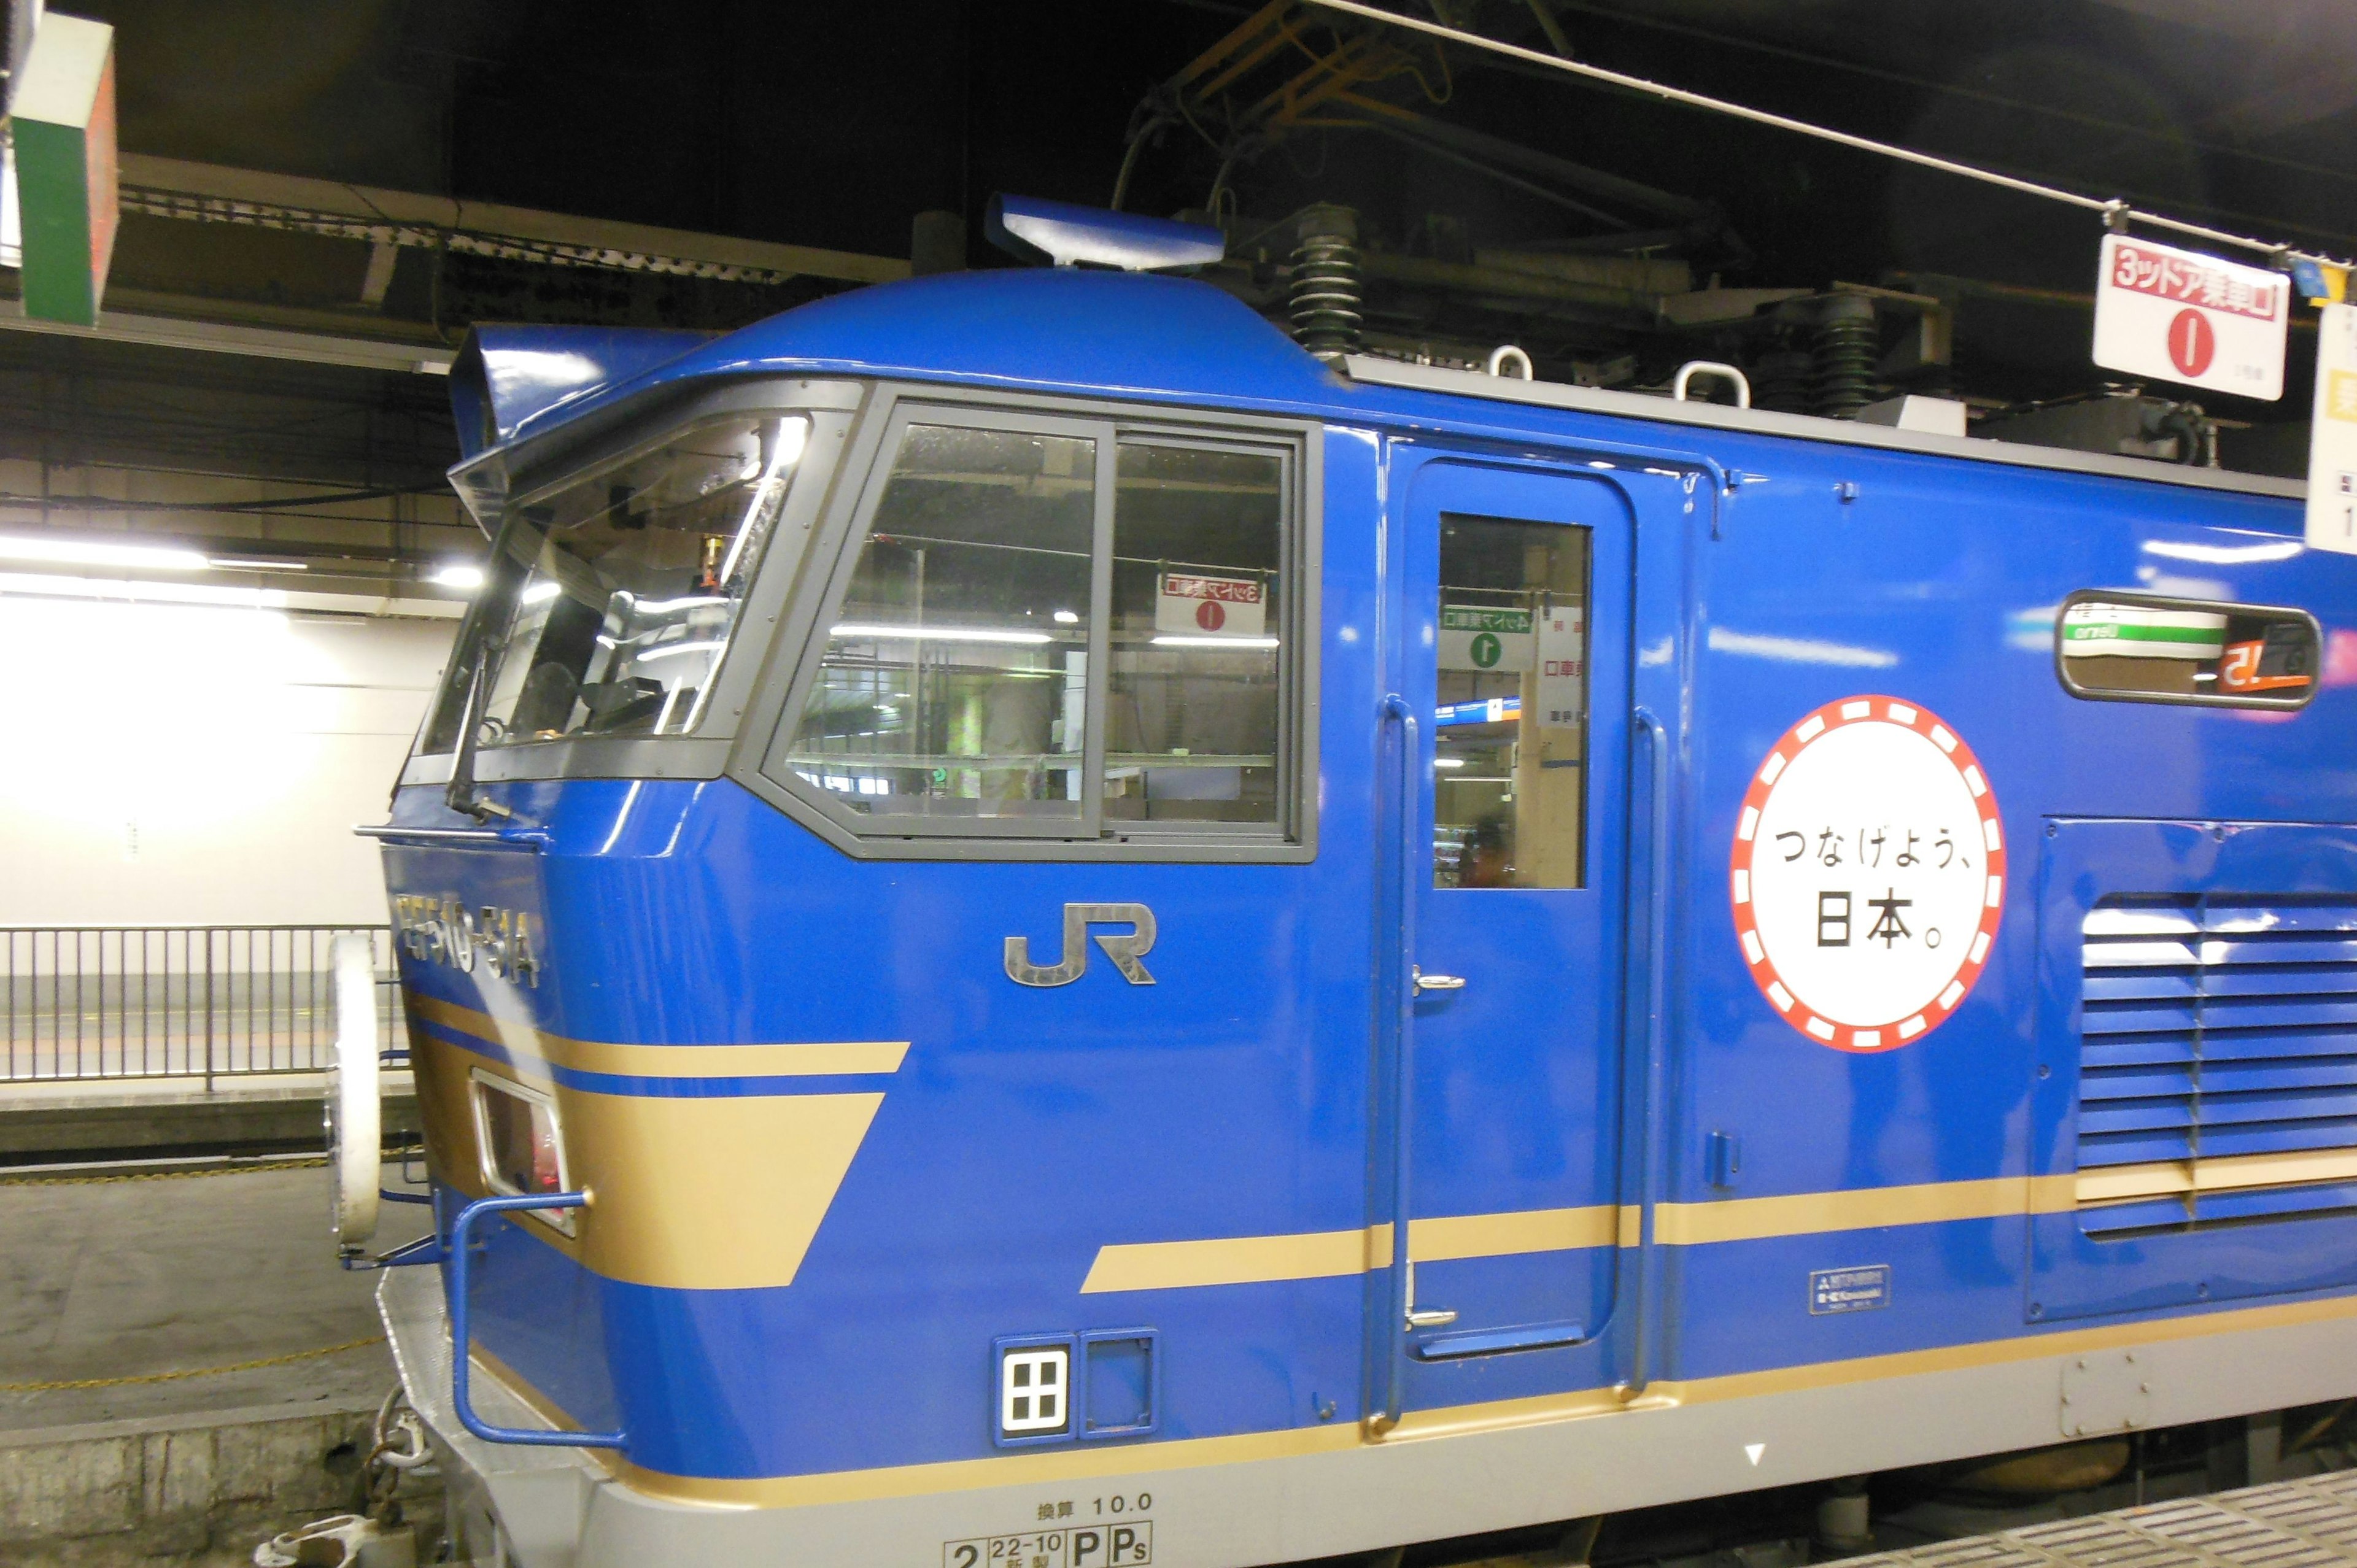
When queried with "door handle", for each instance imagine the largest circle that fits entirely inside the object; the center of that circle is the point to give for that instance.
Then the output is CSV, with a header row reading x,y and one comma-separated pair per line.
x,y
1435,981
1428,1317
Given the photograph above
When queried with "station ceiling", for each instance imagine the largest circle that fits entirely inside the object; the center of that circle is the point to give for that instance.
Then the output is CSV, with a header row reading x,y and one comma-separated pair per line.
x,y
674,135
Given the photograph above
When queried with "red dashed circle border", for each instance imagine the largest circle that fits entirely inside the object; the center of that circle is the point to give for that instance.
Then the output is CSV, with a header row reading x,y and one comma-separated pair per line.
x,y
1824,721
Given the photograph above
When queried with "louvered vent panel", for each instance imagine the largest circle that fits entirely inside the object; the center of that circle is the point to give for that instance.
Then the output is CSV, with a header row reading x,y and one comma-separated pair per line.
x,y
2218,1060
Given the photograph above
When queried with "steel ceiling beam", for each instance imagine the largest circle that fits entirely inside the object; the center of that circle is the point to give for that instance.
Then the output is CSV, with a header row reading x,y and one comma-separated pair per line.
x,y
255,342
172,187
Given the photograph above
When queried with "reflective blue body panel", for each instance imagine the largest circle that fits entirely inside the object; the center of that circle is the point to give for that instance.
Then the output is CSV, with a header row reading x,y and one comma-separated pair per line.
x,y
1256,1090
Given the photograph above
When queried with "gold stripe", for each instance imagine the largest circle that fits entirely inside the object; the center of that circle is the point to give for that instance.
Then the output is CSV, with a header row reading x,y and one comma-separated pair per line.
x,y
2231,1173
1074,1463
520,1038
1864,1209
1238,1260
719,1192
1325,1254
1504,1235
1322,1254
1013,1469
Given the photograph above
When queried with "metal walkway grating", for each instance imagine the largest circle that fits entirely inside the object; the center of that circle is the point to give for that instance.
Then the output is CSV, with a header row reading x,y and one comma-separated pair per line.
x,y
2290,1524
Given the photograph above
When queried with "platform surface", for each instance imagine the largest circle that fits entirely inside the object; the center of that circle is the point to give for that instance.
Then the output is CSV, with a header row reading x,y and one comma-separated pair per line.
x,y
2310,1523
128,1282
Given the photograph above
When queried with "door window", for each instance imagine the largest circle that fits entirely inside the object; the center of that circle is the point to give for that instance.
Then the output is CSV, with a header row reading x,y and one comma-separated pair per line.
x,y
1509,749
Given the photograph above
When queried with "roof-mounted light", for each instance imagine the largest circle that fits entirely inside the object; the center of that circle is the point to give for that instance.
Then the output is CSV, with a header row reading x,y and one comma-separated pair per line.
x,y
1068,235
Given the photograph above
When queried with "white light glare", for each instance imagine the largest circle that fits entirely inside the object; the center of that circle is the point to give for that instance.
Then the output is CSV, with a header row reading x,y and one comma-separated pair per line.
x,y
668,648
459,575
1215,642
2223,554
1449,762
1068,617
539,593
938,633
98,552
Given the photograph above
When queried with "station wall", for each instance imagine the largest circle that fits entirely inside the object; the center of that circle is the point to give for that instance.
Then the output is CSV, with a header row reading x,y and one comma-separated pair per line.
x,y
200,764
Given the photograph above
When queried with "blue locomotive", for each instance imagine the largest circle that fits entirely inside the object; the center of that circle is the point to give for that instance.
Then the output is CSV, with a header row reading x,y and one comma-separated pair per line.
x,y
1040,929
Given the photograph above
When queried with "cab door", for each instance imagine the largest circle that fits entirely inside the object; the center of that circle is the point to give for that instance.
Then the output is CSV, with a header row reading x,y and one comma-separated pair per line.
x,y
1515,603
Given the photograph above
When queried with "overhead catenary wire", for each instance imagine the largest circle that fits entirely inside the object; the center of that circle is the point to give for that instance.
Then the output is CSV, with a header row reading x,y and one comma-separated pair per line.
x,y
2112,211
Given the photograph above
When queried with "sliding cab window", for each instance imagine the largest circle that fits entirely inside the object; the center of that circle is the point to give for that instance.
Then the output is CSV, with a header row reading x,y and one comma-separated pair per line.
x,y
616,592
1056,629
2141,647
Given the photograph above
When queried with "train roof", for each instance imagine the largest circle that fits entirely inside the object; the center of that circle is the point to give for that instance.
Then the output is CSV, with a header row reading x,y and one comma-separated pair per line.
x,y
1108,334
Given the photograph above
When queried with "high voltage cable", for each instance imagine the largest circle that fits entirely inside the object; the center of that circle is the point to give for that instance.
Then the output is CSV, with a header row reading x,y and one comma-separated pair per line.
x,y
2113,210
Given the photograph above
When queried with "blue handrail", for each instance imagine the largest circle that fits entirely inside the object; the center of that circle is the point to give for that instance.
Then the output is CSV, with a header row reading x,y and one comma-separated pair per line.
x,y
460,1339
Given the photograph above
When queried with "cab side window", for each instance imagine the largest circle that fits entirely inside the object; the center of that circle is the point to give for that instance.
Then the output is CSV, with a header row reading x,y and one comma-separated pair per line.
x,y
1198,592
951,682
1063,628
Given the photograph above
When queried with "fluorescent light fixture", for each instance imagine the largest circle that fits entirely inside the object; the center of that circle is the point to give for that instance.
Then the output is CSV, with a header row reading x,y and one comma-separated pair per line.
x,y
1215,642
240,563
121,589
1068,617
1449,762
459,575
664,606
668,648
86,551
2224,554
938,633
539,593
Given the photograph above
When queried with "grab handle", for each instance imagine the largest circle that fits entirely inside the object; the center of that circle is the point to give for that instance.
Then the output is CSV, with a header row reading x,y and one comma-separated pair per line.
x,y
461,1340
1649,1036
1692,368
1401,1281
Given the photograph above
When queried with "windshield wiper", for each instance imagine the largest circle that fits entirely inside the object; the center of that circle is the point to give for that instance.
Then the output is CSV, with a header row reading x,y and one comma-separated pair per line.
x,y
462,794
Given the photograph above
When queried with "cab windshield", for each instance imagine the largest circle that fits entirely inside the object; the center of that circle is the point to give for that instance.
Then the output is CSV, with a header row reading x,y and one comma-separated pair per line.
x,y
621,587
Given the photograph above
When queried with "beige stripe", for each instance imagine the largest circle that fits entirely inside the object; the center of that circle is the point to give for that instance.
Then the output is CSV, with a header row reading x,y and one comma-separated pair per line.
x,y
717,1192
1505,1235
697,1192
1865,1209
1238,1260
1183,1453
670,1061
2232,1173
1324,1254
1258,1260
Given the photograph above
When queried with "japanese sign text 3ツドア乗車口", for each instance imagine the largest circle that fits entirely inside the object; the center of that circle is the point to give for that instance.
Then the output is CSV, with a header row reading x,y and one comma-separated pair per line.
x,y
1868,873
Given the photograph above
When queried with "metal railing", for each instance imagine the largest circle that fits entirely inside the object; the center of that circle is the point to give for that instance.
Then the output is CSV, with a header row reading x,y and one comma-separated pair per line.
x,y
96,1003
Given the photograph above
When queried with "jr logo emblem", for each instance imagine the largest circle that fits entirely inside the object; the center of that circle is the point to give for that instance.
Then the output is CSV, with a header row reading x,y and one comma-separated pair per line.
x,y
1125,950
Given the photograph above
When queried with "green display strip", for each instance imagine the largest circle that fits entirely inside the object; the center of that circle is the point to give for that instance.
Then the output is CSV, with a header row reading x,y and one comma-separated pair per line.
x,y
2149,634
1476,618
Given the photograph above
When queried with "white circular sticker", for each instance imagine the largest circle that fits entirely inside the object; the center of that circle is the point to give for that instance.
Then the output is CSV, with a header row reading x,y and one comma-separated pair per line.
x,y
1868,873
